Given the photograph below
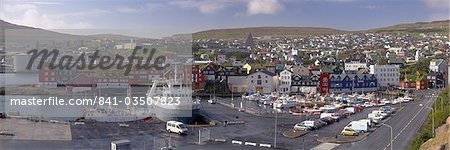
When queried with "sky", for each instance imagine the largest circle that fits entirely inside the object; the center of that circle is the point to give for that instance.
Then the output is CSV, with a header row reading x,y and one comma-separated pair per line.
x,y
167,17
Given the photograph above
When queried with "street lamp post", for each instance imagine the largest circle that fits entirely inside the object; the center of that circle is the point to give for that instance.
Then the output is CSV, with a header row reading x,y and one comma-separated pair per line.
x,y
433,115
391,135
276,117
275,136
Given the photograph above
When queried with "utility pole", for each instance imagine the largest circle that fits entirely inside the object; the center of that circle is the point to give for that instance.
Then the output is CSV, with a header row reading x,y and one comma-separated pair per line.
x,y
433,115
276,123
392,147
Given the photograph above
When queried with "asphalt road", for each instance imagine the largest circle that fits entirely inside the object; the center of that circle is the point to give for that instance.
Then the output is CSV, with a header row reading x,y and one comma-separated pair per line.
x,y
405,125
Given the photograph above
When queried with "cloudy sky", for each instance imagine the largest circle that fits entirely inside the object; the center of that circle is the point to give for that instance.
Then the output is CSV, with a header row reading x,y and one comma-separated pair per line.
x,y
182,16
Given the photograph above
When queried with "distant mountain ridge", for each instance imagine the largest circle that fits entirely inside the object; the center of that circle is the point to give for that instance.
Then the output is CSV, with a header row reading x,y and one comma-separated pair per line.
x,y
265,31
237,33
240,33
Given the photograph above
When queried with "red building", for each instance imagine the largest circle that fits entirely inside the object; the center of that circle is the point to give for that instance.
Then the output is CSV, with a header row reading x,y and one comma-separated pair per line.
x,y
48,77
418,84
198,78
324,83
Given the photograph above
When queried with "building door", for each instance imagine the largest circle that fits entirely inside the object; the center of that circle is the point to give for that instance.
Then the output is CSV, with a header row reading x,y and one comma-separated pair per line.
x,y
259,90
244,89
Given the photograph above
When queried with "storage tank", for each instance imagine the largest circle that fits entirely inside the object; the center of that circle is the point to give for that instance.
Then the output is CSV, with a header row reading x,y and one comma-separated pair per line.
x,y
21,62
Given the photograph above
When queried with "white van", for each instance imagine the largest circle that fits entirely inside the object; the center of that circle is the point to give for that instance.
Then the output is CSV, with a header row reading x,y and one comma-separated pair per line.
x,y
358,126
332,115
309,123
176,127
352,110
368,121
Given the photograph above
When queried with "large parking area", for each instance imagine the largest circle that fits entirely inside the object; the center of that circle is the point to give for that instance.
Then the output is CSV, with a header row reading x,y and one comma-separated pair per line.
x,y
244,130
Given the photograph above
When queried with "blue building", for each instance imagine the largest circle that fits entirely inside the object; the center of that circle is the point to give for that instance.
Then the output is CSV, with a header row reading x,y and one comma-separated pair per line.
x,y
349,83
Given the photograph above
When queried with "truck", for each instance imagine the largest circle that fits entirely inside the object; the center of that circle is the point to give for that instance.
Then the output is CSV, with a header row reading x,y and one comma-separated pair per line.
x,y
358,126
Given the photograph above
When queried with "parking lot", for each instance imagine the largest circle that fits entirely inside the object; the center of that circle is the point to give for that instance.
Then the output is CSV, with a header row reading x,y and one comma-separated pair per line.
x,y
251,129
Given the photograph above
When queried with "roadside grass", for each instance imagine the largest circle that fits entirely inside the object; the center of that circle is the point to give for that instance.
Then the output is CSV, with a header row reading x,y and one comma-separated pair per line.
x,y
442,111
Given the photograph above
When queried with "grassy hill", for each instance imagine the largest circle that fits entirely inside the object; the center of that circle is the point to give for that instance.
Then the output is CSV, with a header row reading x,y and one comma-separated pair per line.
x,y
418,27
265,31
241,33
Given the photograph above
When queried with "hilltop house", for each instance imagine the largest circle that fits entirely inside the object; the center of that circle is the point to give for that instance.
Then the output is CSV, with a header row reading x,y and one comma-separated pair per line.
x,y
262,82
285,82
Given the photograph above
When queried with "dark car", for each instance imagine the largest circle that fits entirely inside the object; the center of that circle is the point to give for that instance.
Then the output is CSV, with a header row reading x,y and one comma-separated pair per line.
x,y
323,123
343,113
328,120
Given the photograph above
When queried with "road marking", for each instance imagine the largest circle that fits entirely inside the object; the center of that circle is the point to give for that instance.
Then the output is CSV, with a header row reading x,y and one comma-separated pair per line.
x,y
325,146
401,131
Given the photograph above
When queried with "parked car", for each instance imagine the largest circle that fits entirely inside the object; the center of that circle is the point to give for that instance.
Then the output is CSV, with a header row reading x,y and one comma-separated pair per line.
x,y
348,131
323,123
300,127
352,110
328,120
375,116
368,104
382,113
344,112
357,108
332,115
387,109
375,120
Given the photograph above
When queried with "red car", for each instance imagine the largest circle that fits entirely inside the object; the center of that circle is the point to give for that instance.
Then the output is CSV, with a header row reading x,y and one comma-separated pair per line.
x,y
357,108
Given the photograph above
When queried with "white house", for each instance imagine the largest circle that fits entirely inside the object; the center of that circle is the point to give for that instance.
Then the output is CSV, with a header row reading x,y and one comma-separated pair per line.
x,y
438,65
262,82
387,75
354,65
285,82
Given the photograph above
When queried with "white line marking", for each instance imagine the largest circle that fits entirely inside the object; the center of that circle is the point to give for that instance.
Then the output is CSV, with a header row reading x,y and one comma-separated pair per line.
x,y
401,131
